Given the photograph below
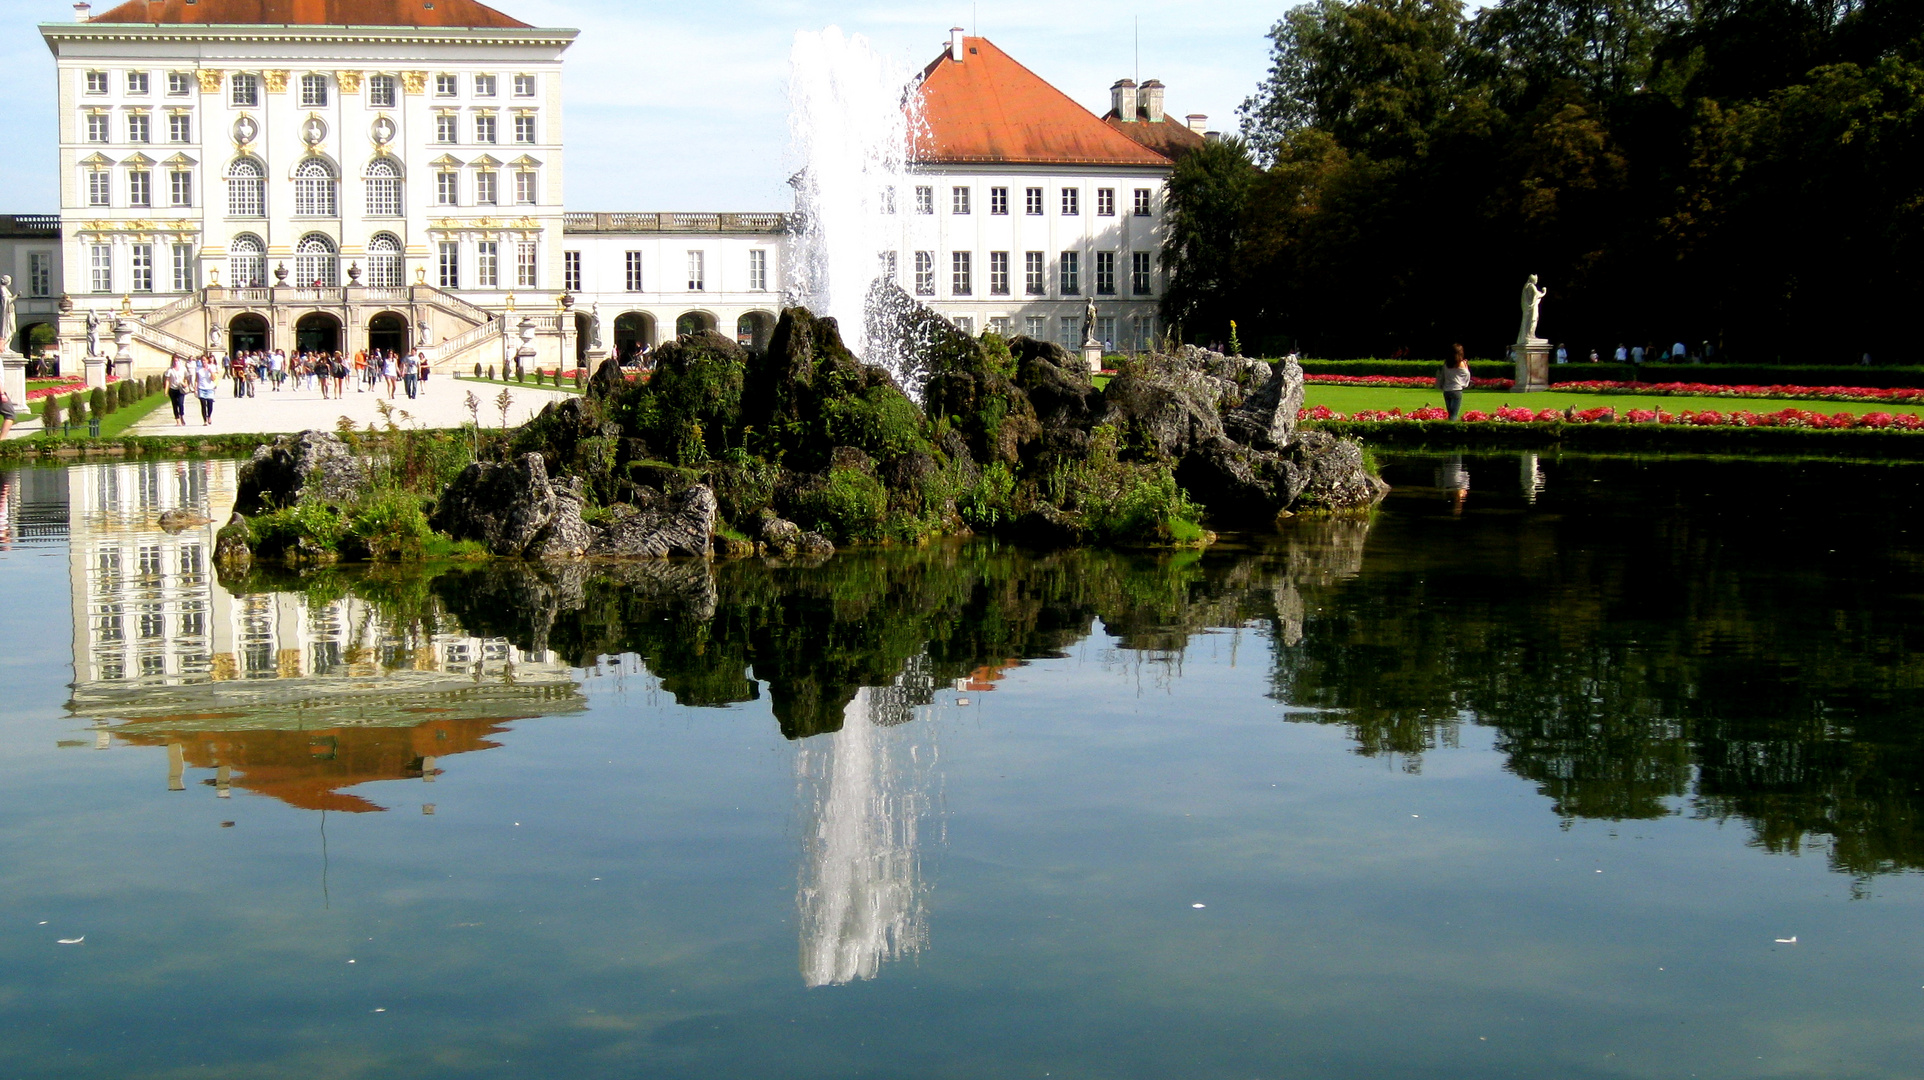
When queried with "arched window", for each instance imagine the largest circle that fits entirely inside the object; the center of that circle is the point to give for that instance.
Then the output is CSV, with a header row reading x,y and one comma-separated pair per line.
x,y
383,189
317,263
384,261
247,262
246,189
315,190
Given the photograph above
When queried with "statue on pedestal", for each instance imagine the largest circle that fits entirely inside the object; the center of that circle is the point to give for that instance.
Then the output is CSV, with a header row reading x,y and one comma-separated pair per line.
x,y
1089,323
93,332
594,326
1532,311
9,313
424,336
213,340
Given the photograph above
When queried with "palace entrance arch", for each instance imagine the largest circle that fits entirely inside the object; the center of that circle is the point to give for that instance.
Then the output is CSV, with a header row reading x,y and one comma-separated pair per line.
x,y
317,332
248,333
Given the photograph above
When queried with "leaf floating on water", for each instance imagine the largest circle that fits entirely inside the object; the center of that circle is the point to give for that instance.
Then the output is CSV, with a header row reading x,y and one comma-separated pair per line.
x,y
1791,940
72,940
1196,905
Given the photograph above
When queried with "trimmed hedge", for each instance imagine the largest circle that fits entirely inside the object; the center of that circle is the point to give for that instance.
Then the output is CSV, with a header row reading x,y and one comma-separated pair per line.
x,y
1718,374
1857,443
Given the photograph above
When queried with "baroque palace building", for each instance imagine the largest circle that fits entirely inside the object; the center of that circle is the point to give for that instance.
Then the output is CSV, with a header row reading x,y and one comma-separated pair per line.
x,y
347,174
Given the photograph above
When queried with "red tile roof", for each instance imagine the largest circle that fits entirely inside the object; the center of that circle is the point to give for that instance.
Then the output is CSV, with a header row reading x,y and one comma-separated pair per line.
x,y
1170,138
990,109
426,13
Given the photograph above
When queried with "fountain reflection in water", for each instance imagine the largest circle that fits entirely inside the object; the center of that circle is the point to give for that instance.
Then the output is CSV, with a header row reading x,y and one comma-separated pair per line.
x,y
863,898
849,135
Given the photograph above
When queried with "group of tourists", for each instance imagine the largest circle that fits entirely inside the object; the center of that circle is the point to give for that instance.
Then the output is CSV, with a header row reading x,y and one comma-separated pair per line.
x,y
328,372
201,378
1677,353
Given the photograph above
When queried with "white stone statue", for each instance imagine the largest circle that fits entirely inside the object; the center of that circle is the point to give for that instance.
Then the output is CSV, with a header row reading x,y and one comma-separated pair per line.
x,y
213,340
425,337
93,332
594,326
1532,311
9,313
1089,323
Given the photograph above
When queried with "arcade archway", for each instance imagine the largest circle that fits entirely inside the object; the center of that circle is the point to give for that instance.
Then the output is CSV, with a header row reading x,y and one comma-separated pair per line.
x,y
248,333
694,322
387,332
634,330
317,332
753,330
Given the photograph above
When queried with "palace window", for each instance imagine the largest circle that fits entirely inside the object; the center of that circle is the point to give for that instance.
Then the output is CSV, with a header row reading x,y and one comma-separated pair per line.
x,y
1071,273
526,265
143,268
758,271
1106,331
1071,336
179,84
889,266
317,263
445,86
487,265
246,189
524,129
449,266
1143,195
486,185
184,268
136,83
961,273
180,128
999,325
445,128
925,200
384,262
1037,327
524,86
40,273
100,267
1035,274
96,82
998,273
315,190
383,188
959,200
697,271
180,184
999,201
313,91
1106,202
1032,201
1071,201
247,262
1105,273
139,127
245,90
888,199
527,187
633,263
964,324
1141,270
484,86
571,271
447,188
140,188
484,125
97,127
381,92
925,273
99,191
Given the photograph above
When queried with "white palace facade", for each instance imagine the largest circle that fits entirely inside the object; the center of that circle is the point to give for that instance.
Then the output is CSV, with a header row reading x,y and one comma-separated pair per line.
x,y
348,174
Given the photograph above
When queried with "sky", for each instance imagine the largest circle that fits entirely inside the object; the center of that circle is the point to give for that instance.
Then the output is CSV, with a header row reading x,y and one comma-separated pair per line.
x,y
682,106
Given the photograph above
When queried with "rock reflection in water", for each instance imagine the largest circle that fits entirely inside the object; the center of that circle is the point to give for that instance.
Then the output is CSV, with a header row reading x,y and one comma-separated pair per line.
x,y
866,792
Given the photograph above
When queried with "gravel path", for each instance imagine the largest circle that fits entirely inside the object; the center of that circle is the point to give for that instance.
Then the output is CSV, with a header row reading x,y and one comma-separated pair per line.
x,y
442,404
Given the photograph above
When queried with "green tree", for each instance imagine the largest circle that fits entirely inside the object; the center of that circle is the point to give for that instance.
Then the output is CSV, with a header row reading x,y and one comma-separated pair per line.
x,y
1205,206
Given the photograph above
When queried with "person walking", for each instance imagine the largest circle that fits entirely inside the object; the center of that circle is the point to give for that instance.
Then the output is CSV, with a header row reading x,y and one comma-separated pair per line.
x,y
1563,355
410,375
1453,378
1623,354
390,370
340,376
177,389
360,371
206,381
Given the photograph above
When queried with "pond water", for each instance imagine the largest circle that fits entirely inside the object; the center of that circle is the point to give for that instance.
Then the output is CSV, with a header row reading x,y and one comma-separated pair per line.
x,y
1568,767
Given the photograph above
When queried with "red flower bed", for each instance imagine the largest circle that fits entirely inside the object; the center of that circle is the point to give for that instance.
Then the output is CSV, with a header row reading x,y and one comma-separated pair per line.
x,y
63,389
1787,418
1895,396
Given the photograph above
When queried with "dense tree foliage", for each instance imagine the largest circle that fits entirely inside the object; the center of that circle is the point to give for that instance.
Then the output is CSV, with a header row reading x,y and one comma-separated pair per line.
x,y
1733,172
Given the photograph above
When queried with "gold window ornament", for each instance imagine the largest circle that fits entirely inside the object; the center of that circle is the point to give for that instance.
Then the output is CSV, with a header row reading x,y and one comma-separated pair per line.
x,y
414,82
276,81
209,81
350,81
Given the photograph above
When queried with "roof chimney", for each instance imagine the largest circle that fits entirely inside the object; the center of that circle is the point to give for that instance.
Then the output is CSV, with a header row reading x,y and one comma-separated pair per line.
x,y
1149,99
1197,122
956,48
1122,98
83,11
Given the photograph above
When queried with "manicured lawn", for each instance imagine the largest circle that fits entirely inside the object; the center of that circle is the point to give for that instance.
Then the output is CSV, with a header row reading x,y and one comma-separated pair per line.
x,y
1350,399
114,423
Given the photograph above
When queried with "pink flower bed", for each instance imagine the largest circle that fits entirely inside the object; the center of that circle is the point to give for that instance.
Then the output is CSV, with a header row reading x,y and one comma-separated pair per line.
x,y
1786,418
62,389
1894,396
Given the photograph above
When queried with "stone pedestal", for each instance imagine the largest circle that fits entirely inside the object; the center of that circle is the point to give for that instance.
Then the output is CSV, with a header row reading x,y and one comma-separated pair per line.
x,y
1532,365
96,371
1092,355
13,375
124,347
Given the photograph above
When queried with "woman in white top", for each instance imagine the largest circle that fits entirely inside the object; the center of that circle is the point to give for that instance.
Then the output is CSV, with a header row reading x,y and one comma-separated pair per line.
x,y
177,390
1453,378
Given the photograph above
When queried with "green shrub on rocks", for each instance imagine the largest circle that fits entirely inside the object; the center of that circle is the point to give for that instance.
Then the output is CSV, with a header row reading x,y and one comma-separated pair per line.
x,y
846,505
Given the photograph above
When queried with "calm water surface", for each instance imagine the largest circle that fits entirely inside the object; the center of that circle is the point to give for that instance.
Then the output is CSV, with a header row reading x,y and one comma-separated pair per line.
x,y
1525,776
